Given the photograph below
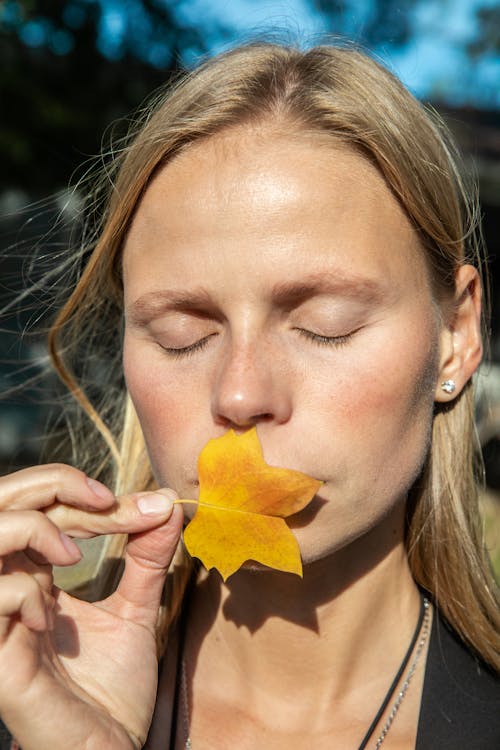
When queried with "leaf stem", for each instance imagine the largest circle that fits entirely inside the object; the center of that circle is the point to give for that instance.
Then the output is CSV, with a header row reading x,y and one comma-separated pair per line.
x,y
192,502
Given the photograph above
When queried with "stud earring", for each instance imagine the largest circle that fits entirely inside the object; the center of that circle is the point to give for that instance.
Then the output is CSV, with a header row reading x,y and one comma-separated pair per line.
x,y
448,386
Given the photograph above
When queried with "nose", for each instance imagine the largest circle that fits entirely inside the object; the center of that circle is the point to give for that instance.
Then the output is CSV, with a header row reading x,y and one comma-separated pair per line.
x,y
251,387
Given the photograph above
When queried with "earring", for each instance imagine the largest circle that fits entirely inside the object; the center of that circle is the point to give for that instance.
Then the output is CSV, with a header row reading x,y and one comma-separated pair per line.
x,y
448,386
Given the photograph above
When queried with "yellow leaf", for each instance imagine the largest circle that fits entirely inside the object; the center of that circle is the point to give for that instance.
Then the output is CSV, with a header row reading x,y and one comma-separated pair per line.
x,y
241,507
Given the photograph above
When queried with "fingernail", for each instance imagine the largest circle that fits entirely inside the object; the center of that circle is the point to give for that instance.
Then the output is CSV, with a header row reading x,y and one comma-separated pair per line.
x,y
155,505
70,545
99,489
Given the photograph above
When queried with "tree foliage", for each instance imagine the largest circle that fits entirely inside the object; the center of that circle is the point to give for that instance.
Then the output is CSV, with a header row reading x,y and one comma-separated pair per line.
x,y
488,40
386,22
62,81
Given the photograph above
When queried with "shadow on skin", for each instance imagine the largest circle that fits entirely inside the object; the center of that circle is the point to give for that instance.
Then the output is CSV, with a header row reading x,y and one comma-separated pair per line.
x,y
67,642
252,601
257,593
307,514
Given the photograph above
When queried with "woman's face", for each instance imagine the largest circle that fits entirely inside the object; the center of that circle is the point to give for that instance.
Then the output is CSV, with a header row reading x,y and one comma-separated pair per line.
x,y
275,281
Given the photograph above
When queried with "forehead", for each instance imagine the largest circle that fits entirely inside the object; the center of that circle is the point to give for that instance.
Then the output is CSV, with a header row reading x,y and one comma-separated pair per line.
x,y
251,192
247,167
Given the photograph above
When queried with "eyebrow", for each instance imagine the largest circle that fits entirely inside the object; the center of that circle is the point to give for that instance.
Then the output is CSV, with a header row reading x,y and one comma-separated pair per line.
x,y
336,284
285,294
154,304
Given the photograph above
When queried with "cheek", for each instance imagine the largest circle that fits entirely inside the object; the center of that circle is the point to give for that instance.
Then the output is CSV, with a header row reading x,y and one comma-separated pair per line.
x,y
377,408
394,380
396,414
157,405
377,422
167,413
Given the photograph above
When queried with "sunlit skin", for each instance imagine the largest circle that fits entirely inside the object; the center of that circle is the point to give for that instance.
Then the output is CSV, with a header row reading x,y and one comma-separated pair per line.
x,y
247,238
274,280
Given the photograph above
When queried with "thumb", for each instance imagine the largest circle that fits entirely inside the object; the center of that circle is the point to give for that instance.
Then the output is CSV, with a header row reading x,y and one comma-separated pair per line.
x,y
148,555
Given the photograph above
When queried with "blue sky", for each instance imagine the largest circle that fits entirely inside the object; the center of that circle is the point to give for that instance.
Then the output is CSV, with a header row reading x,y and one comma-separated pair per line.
x,y
435,61
434,64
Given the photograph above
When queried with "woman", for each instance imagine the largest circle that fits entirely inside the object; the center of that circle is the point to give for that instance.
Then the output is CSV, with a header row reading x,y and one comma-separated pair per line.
x,y
287,246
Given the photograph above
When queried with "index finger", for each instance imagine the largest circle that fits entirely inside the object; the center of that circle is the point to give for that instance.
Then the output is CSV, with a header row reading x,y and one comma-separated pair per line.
x,y
130,514
41,486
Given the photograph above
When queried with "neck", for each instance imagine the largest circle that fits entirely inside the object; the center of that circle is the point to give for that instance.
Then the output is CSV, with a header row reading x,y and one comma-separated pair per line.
x,y
340,631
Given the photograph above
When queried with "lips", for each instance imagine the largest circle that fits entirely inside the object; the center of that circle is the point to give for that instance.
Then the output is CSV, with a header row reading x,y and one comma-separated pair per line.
x,y
195,482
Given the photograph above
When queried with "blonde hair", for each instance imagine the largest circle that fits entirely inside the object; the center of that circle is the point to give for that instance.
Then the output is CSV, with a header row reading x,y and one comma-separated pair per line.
x,y
343,93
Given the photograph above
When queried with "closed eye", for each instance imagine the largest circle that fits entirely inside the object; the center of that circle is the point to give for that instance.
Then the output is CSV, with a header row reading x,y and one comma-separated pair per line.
x,y
325,340
185,351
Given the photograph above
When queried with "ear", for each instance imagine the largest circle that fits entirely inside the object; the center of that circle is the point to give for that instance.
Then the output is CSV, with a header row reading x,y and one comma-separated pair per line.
x,y
460,346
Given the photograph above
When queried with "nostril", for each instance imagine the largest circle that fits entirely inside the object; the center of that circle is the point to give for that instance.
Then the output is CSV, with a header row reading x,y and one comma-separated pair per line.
x,y
243,424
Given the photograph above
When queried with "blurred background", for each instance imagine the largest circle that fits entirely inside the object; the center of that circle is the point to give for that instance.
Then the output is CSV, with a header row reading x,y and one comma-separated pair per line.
x,y
71,72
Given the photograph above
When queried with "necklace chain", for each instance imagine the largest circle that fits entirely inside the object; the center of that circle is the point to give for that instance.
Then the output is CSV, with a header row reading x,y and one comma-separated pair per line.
x,y
185,703
422,630
406,684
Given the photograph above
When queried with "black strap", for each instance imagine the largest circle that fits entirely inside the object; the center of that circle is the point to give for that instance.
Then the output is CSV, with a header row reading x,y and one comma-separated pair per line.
x,y
397,678
181,626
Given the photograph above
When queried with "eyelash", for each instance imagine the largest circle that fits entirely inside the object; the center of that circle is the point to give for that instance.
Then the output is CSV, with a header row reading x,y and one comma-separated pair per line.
x,y
325,340
186,351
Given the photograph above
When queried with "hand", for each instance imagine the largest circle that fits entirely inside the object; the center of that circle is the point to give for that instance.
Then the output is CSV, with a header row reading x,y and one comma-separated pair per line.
x,y
79,675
